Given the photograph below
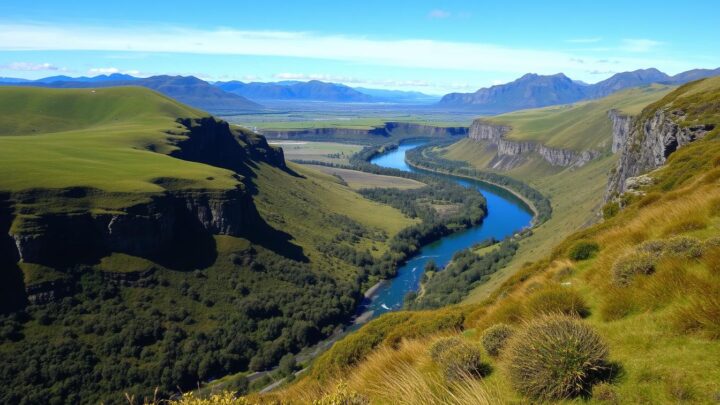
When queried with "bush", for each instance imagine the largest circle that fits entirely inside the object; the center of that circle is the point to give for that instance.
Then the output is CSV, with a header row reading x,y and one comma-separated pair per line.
x,y
556,357
496,337
583,250
557,300
684,246
631,265
654,247
458,358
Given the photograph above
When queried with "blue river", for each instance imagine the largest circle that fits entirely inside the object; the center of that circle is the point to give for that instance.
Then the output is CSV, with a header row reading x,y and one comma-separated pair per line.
x,y
507,215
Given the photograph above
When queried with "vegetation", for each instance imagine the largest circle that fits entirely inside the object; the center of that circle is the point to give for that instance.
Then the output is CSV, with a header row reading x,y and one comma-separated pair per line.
x,y
496,337
555,357
358,180
658,335
328,152
458,359
583,250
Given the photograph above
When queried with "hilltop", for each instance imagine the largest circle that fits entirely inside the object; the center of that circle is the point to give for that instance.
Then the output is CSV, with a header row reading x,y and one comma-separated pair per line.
x,y
186,89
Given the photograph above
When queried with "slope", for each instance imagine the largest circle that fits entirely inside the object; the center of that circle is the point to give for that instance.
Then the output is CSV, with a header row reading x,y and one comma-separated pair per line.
x,y
644,282
146,244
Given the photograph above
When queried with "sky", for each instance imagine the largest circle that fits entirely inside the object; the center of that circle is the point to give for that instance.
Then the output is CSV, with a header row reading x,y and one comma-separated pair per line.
x,y
435,47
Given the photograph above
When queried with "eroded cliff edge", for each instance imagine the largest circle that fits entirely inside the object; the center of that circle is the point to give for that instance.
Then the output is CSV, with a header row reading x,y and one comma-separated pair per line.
x,y
173,228
510,153
646,142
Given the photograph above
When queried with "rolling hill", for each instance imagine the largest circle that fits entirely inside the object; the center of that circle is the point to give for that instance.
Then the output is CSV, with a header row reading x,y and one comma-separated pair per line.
x,y
147,244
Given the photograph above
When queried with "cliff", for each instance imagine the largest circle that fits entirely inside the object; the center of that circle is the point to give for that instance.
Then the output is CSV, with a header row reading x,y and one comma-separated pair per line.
x,y
494,135
621,125
173,228
646,144
389,129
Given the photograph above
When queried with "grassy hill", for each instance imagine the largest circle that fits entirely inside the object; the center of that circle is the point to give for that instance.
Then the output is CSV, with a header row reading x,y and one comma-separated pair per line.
x,y
145,244
575,193
636,316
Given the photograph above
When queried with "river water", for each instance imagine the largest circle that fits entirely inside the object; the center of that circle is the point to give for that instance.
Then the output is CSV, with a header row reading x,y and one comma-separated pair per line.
x,y
507,215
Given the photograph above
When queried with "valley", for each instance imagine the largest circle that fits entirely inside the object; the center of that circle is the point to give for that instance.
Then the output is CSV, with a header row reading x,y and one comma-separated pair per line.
x,y
337,203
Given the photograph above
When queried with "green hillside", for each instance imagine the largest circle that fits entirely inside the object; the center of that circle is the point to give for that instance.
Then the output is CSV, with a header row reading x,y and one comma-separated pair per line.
x,y
635,315
575,193
112,139
144,245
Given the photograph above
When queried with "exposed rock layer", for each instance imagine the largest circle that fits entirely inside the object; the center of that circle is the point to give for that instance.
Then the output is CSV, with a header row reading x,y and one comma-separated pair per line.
x,y
494,135
647,145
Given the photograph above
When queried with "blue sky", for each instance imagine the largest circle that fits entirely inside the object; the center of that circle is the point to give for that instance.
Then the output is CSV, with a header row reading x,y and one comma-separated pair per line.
x,y
430,46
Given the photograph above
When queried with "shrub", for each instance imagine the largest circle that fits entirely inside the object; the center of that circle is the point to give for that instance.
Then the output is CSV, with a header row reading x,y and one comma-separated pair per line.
x,y
654,247
610,209
605,392
557,299
458,358
496,337
583,250
684,246
631,265
556,357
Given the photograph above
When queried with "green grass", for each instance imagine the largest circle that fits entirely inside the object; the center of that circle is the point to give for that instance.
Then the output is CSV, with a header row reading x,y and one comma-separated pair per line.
x,y
358,180
111,139
328,152
578,126
575,193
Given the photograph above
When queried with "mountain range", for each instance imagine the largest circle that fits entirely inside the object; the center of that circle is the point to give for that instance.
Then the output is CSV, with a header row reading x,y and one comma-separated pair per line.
x,y
186,89
533,90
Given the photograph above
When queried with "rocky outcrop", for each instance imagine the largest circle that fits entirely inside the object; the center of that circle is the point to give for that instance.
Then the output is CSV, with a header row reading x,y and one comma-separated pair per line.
x,y
648,144
492,134
42,293
389,129
621,125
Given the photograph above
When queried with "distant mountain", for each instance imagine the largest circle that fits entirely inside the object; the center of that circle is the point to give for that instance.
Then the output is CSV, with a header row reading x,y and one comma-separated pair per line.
x,y
626,80
529,91
186,89
695,74
13,80
313,90
532,90
398,96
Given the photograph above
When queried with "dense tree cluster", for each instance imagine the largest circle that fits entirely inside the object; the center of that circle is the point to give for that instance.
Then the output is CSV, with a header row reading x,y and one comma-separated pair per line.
x,y
466,270
424,156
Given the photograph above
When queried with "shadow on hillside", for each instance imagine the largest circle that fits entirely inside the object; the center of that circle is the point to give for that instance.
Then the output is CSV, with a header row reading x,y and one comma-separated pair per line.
x,y
12,285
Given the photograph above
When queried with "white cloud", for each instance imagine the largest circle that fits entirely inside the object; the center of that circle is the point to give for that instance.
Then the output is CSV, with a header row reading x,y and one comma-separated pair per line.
x,y
584,40
639,45
103,71
30,67
407,53
439,14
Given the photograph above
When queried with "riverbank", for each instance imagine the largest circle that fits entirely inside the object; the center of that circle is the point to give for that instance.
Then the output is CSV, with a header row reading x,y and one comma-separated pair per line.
x,y
529,203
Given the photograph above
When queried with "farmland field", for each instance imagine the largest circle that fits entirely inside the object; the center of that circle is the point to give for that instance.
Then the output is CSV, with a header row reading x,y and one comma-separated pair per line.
x,y
359,180
329,152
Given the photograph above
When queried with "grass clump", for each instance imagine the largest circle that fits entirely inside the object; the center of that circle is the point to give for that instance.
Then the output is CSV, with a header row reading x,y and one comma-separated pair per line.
x,y
458,358
684,246
688,225
557,299
629,266
605,392
496,337
556,357
702,314
583,250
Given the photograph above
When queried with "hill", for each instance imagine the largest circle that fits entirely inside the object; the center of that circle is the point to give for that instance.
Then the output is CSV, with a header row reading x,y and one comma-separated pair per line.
x,y
532,90
313,90
189,90
147,244
636,315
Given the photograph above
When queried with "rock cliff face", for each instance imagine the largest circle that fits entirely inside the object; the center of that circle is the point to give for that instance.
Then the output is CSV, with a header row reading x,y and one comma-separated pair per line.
x,y
647,145
492,134
177,222
621,125
390,128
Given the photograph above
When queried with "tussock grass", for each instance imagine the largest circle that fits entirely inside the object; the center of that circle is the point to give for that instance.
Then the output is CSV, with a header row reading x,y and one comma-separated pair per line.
x,y
495,338
557,299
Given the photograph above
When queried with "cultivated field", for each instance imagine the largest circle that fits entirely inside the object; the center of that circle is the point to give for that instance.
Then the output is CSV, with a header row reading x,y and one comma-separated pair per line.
x,y
358,180
329,152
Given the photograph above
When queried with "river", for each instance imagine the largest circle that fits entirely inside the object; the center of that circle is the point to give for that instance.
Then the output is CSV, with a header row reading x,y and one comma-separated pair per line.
x,y
507,214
